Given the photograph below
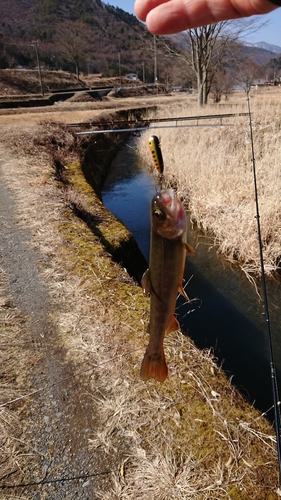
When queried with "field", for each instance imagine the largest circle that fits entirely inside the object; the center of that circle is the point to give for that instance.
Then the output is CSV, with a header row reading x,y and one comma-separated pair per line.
x,y
73,323
212,169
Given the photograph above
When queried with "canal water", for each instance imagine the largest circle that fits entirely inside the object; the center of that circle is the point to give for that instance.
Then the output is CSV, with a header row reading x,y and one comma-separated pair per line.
x,y
227,315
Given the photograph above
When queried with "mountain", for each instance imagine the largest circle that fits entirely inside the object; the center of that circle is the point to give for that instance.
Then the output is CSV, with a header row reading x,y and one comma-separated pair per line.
x,y
91,34
258,55
266,46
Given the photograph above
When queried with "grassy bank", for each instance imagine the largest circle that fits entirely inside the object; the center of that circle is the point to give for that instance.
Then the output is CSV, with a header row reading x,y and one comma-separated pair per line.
x,y
212,169
193,437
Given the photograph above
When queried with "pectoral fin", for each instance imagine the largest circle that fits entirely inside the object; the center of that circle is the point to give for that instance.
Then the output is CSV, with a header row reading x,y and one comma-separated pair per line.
x,y
146,283
173,326
183,293
189,248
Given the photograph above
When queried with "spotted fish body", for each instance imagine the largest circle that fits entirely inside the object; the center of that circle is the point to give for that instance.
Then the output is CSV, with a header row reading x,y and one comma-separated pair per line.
x,y
163,280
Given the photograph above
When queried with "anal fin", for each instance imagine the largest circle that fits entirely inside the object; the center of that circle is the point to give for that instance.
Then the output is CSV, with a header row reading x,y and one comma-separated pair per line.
x,y
173,326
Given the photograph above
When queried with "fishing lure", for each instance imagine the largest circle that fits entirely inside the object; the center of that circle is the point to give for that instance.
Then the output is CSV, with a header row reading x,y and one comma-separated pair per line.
x,y
155,149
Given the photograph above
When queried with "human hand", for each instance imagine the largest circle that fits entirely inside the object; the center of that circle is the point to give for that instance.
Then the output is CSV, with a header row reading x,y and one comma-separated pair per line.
x,y
172,16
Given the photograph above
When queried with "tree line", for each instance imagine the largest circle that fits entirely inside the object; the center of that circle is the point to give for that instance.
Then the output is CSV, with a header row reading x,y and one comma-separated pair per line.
x,y
215,59
209,58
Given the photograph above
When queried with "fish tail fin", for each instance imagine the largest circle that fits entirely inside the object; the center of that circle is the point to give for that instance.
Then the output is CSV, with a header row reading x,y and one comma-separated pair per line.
x,y
154,366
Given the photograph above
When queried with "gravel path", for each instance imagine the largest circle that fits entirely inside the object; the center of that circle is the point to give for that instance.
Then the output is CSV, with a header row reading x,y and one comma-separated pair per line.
x,y
58,420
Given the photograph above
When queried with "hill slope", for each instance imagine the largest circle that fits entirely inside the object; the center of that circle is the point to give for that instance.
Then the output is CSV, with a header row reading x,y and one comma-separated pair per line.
x,y
97,36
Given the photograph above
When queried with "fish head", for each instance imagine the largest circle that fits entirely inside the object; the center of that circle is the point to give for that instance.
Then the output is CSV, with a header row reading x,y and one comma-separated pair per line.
x,y
168,217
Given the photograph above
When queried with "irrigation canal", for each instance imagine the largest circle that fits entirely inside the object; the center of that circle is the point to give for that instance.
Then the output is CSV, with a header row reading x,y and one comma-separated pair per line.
x,y
230,320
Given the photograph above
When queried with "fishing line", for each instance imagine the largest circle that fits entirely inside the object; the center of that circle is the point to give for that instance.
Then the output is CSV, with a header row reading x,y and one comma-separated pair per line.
x,y
265,301
274,383
59,480
58,382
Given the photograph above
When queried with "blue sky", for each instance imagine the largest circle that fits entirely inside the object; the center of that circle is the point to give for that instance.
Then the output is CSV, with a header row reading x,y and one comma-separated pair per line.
x,y
127,5
269,34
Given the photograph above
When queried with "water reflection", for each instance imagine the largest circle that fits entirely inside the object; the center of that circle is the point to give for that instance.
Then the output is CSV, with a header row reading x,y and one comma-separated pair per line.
x,y
231,322
127,193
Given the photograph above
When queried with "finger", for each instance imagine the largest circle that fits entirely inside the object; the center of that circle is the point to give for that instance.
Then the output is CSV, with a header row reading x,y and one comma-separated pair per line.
x,y
173,16
142,7
176,15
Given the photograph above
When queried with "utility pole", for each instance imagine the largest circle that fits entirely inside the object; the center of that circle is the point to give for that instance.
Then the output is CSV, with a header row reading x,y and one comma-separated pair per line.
x,y
155,61
119,64
143,72
35,45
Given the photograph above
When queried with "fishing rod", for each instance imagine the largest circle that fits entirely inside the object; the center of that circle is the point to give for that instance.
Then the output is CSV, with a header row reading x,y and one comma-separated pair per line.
x,y
147,121
265,301
140,129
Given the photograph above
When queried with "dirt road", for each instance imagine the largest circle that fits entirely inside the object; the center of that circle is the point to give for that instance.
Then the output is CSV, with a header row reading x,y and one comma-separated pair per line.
x,y
56,422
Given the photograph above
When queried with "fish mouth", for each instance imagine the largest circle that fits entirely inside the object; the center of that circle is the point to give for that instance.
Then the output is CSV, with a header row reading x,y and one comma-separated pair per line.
x,y
167,197
167,214
166,200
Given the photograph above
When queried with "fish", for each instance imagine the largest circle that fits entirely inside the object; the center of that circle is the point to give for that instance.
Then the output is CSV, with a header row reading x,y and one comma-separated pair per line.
x,y
156,152
164,278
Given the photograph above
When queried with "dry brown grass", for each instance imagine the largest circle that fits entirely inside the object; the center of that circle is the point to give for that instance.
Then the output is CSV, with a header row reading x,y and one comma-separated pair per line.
x,y
193,437
12,340
182,440
69,112
212,169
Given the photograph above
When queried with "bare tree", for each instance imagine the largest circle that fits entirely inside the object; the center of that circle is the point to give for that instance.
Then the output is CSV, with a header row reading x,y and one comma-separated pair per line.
x,y
222,84
208,49
74,39
273,70
202,46
248,73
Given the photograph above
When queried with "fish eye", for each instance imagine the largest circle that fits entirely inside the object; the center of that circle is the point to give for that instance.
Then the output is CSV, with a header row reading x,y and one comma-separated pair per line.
x,y
158,214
